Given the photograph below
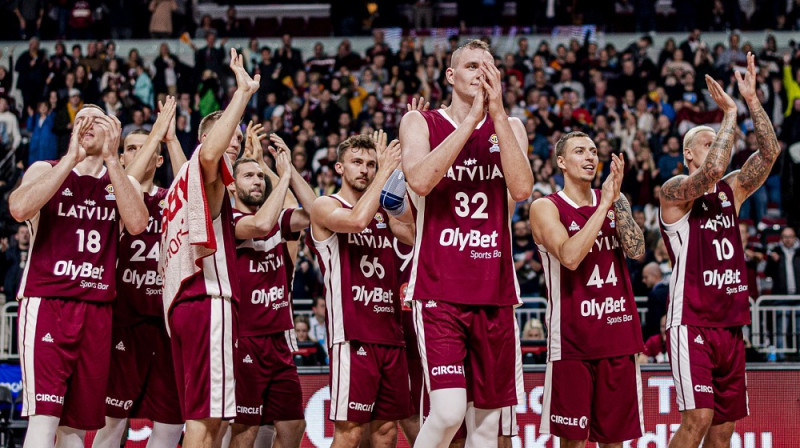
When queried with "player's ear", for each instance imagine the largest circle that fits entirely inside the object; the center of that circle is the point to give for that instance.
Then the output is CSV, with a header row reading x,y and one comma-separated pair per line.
x,y
560,163
688,156
448,74
159,161
339,168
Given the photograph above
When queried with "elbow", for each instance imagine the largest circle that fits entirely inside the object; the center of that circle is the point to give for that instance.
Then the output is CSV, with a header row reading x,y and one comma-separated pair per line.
x,y
18,210
419,186
138,225
637,254
521,194
570,264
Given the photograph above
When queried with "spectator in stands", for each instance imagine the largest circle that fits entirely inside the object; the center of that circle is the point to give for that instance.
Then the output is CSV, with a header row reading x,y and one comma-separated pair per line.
x,y
526,260
317,329
9,128
209,57
161,18
32,68
658,291
206,27
43,142
309,352
232,28
16,255
753,256
290,58
655,346
783,264
533,330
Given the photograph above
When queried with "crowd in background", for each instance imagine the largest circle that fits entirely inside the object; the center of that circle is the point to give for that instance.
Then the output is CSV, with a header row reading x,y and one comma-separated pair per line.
x,y
636,101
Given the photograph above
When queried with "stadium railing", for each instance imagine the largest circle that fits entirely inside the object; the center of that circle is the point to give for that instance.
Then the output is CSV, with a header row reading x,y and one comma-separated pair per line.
x,y
776,323
9,349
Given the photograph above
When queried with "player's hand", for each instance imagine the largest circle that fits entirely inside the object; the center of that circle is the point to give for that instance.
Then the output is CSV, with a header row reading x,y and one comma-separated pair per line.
x,y
283,164
379,137
166,119
747,83
613,183
421,106
248,142
390,157
112,128
244,82
492,85
79,130
723,100
478,108
276,140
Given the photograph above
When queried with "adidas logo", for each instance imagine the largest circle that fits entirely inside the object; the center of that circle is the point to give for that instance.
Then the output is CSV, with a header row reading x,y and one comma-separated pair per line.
x,y
361,352
247,359
698,339
47,338
574,227
120,346
66,192
430,304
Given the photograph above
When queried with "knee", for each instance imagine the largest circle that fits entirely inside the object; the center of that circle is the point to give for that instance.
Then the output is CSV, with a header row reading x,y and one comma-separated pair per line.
x,y
385,431
449,414
697,422
294,426
348,434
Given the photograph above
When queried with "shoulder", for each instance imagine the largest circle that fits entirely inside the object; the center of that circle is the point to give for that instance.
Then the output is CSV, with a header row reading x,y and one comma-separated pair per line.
x,y
37,169
325,202
543,208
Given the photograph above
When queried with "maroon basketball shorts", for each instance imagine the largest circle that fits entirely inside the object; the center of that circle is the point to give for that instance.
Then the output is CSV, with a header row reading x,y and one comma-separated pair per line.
x,y
368,382
267,384
142,379
415,375
203,332
470,347
708,368
598,399
65,346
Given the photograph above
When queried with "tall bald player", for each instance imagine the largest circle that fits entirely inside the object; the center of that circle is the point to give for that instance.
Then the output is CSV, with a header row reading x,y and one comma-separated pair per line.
x,y
142,379
708,296
74,209
353,241
461,164
592,388
198,256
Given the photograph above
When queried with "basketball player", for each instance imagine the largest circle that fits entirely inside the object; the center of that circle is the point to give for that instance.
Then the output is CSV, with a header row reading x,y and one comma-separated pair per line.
x,y
708,301
142,380
592,382
267,384
197,261
353,240
74,209
462,164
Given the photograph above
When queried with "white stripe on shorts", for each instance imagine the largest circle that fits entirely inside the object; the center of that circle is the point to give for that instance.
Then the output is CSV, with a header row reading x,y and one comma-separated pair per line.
x,y
419,327
340,380
508,421
639,392
544,426
681,367
28,316
222,400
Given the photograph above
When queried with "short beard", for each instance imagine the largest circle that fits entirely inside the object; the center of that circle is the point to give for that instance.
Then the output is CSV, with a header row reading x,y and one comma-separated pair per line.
x,y
249,200
358,187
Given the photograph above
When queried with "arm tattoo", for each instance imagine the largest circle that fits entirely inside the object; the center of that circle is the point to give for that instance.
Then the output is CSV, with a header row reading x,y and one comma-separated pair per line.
x,y
688,188
631,236
758,166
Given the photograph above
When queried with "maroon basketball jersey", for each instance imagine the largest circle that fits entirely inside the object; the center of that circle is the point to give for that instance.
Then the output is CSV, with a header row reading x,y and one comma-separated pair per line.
x,y
591,312
265,279
708,285
360,283
139,284
74,242
218,276
463,241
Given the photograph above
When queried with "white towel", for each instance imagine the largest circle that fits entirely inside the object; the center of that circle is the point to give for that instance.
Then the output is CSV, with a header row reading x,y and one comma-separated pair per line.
x,y
187,233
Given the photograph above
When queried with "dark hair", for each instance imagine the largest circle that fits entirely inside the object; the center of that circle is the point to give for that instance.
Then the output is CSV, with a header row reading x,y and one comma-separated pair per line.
x,y
316,300
559,149
241,161
353,143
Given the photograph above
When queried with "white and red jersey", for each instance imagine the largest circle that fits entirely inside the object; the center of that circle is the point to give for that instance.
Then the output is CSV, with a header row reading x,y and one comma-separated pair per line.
x,y
265,272
139,284
360,282
591,311
708,286
462,248
74,242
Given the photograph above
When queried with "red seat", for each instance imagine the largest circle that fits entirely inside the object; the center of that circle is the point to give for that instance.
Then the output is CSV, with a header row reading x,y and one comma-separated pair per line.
x,y
265,27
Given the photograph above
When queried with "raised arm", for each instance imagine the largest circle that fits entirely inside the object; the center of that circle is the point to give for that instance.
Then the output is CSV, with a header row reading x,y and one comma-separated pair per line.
x,y
138,167
302,191
680,190
42,180
264,220
132,211
218,139
548,231
423,167
511,137
327,214
176,155
758,166
630,235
